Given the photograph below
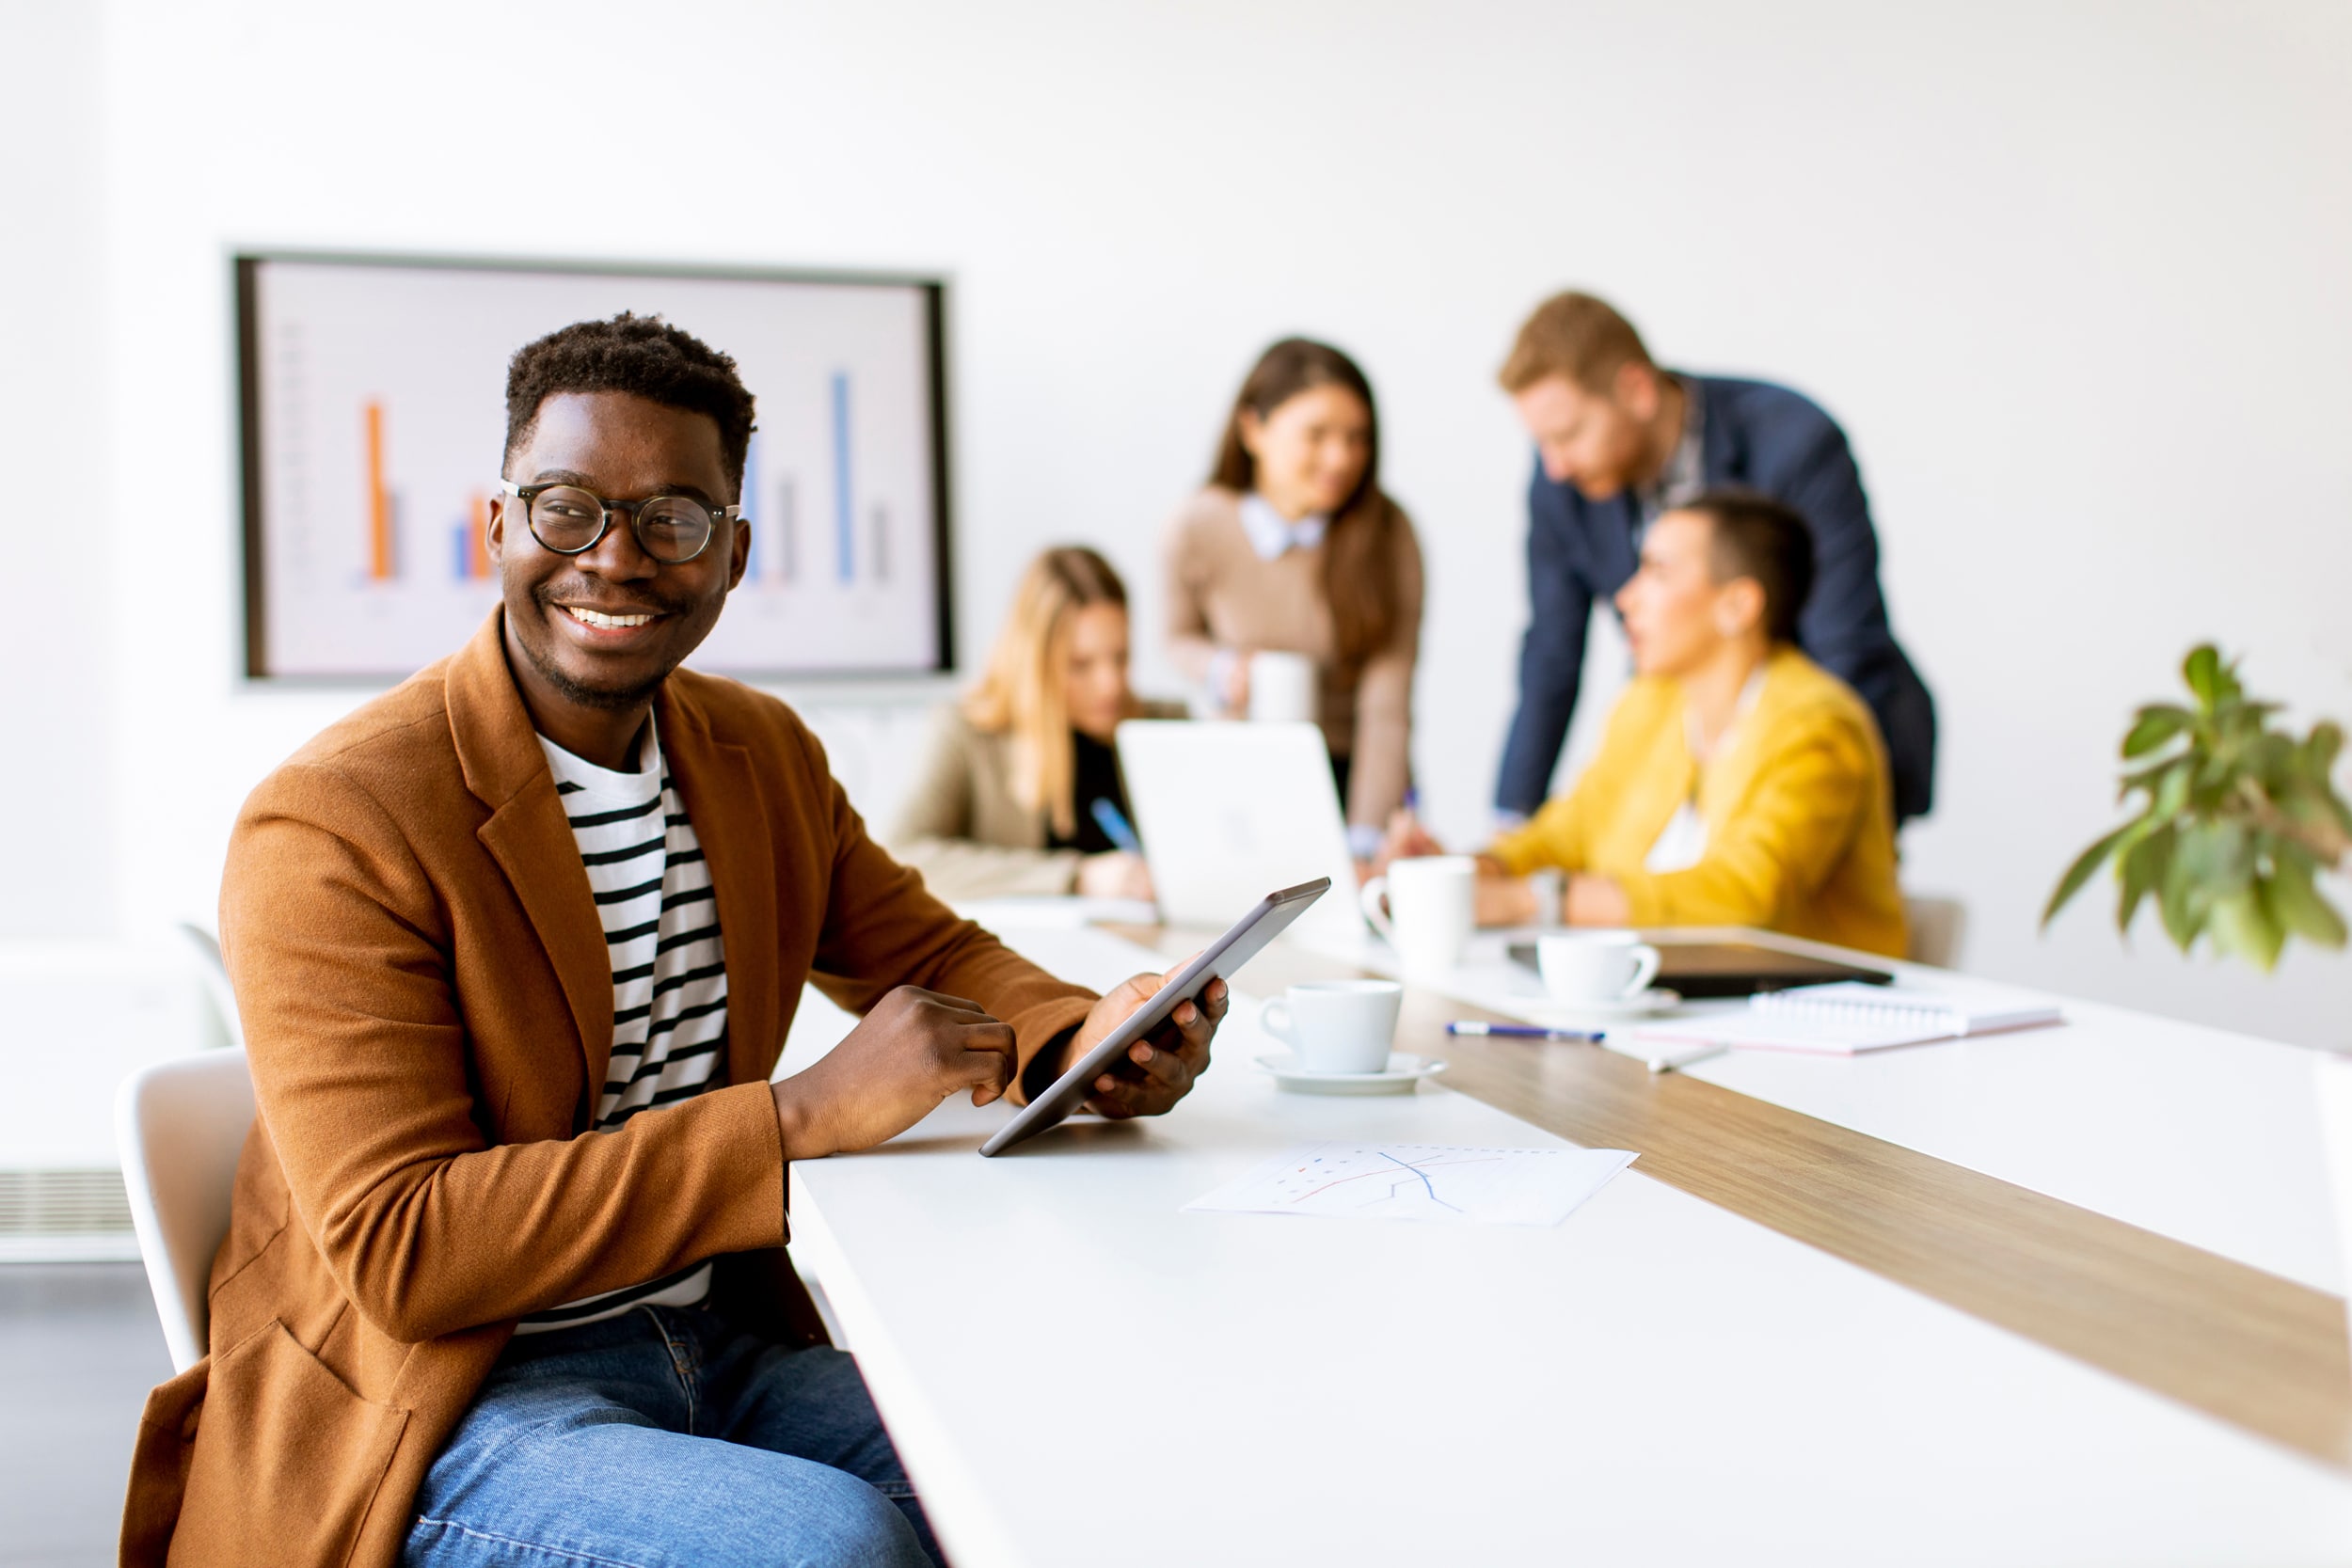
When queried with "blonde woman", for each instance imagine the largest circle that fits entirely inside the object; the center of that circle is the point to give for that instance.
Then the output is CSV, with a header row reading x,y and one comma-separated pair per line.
x,y
1010,800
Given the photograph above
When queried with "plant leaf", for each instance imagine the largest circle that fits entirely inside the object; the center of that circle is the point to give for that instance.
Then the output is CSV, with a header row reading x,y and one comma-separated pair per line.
x,y
2299,903
2244,925
2219,856
2157,724
2141,872
2079,873
2182,903
2202,669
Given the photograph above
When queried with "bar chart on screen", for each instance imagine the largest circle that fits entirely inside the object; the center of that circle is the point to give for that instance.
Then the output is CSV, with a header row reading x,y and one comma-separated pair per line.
x,y
377,423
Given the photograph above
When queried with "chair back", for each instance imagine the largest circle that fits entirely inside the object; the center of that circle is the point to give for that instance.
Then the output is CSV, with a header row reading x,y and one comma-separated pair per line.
x,y
1936,927
181,1126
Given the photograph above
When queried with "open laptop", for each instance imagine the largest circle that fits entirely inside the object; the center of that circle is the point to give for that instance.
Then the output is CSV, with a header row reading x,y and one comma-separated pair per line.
x,y
1228,808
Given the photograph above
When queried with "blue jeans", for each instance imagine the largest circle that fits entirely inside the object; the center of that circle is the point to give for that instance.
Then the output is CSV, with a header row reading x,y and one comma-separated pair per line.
x,y
665,1437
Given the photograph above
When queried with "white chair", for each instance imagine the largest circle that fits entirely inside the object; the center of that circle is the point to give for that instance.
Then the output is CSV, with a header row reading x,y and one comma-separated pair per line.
x,y
204,948
180,1126
1937,927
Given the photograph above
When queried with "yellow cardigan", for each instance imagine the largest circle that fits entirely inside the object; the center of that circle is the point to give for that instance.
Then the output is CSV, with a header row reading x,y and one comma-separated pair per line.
x,y
1799,813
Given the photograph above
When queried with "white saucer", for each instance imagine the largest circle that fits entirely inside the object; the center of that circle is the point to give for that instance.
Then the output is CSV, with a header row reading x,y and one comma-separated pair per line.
x,y
1658,999
1405,1070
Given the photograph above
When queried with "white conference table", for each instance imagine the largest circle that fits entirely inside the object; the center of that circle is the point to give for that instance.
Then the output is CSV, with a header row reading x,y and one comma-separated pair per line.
x,y
1075,1371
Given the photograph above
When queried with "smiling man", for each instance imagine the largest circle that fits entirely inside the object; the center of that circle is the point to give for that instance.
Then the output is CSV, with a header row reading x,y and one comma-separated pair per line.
x,y
516,948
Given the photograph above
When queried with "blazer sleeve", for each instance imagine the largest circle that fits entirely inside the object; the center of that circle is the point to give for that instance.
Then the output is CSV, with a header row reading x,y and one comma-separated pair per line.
x,y
883,928
339,948
1383,761
1844,626
936,831
1551,656
1778,848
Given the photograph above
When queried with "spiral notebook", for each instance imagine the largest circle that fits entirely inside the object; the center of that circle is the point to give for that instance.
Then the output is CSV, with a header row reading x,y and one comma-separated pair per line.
x,y
1843,1019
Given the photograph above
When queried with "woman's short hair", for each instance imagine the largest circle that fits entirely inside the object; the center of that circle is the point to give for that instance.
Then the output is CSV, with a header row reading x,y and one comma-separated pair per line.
x,y
1756,536
1022,692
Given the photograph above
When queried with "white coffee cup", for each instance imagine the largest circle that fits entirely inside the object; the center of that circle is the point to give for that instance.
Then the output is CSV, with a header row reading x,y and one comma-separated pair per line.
x,y
1426,906
1281,687
1596,966
1336,1026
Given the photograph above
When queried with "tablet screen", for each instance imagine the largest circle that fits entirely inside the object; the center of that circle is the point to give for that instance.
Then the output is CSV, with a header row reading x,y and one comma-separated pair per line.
x,y
1221,959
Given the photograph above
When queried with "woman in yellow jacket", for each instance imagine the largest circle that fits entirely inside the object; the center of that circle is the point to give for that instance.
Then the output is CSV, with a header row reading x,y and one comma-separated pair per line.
x,y
1739,783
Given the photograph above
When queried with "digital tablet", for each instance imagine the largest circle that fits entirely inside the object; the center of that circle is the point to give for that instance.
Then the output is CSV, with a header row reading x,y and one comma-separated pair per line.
x,y
1221,959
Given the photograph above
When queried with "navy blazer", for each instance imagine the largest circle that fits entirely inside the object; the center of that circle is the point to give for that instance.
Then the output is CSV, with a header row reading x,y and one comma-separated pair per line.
x,y
1760,438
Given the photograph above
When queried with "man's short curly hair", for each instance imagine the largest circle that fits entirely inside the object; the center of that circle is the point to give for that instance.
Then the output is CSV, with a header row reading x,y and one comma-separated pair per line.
x,y
643,355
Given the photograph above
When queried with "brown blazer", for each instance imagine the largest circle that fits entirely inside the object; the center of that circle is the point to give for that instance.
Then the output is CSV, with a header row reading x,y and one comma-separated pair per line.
x,y
966,831
428,1006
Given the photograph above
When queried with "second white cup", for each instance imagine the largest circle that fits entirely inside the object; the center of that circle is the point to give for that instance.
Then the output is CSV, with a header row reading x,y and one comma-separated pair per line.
x,y
1596,966
1282,687
1336,1026
1426,906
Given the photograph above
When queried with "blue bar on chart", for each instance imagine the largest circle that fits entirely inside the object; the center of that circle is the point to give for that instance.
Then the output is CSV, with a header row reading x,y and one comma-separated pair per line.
x,y
844,512
461,555
748,494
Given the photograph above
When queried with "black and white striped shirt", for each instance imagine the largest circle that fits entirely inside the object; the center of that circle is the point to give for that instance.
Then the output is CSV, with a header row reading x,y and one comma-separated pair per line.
x,y
660,921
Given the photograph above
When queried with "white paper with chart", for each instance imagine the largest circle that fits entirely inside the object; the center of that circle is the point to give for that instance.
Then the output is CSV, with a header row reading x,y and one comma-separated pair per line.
x,y
1444,1183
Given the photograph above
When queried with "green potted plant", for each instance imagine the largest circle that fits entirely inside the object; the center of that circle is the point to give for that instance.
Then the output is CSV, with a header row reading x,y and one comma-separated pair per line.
x,y
2235,820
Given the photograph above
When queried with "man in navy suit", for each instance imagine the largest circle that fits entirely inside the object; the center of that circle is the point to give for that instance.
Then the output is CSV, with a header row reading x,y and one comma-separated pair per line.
x,y
1618,440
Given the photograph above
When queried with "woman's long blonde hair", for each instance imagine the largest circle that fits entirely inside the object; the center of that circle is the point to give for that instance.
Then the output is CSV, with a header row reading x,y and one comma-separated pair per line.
x,y
1023,692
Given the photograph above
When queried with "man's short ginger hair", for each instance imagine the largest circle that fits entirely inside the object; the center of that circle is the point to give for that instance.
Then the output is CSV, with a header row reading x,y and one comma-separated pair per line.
x,y
1576,336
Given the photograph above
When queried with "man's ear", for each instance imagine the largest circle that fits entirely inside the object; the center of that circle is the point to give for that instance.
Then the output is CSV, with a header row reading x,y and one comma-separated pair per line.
x,y
742,554
1637,390
1738,606
494,534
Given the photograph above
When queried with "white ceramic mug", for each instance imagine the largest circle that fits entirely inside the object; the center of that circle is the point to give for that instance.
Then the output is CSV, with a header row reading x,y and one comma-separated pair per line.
x,y
1281,687
1336,1026
1596,966
1426,906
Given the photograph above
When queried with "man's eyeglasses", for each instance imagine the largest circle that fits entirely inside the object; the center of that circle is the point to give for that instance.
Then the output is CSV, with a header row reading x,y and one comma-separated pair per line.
x,y
569,520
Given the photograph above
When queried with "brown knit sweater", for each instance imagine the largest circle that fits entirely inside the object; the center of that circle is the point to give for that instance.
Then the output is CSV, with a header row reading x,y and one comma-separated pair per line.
x,y
1222,595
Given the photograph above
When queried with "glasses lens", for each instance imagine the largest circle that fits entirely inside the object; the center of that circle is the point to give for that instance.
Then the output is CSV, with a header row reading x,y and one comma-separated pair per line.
x,y
672,527
565,519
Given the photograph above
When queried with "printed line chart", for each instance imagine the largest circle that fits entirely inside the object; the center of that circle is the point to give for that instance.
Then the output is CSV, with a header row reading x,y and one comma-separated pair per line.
x,y
1440,1183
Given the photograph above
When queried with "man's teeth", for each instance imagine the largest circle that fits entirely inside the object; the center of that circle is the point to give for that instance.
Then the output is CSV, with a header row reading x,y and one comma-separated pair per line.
x,y
597,618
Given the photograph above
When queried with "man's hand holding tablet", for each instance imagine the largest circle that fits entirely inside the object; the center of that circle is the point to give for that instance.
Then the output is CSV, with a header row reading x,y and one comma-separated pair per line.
x,y
1159,1068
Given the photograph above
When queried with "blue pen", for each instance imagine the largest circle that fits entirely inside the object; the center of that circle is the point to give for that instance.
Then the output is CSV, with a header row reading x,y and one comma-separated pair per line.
x,y
1115,827
1524,1031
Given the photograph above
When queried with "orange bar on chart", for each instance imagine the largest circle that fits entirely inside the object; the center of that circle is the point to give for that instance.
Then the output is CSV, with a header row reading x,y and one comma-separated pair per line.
x,y
379,501
479,560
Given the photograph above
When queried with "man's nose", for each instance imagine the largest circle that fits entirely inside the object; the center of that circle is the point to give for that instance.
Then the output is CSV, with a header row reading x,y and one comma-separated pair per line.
x,y
617,557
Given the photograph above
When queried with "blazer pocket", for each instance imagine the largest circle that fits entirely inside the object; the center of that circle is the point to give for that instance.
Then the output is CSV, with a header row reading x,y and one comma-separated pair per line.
x,y
288,1459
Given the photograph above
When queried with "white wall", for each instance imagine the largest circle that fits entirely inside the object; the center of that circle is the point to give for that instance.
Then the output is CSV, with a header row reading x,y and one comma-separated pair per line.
x,y
2072,276
57,864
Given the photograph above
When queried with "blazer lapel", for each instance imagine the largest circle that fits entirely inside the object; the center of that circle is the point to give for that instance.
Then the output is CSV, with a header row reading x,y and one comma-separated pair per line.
x,y
723,794
531,839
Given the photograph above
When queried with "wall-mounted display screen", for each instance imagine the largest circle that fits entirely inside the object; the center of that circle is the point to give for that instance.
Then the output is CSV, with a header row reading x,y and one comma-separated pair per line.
x,y
375,414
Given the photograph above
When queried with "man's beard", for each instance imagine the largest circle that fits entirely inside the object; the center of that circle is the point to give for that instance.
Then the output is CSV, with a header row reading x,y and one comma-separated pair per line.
x,y
611,699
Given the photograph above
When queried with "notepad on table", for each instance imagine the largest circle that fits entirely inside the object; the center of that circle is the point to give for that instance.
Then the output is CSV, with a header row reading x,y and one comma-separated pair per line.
x,y
1843,1019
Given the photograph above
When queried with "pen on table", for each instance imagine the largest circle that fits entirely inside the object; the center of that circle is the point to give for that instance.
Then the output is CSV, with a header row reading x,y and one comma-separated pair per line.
x,y
1115,827
1523,1030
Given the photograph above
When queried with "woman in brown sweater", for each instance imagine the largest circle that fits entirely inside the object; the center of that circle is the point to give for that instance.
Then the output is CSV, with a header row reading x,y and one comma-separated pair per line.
x,y
1294,547
1009,801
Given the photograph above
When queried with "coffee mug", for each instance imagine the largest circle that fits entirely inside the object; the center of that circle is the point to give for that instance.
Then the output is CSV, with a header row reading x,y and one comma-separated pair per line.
x,y
1336,1026
1281,687
1596,966
1426,906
